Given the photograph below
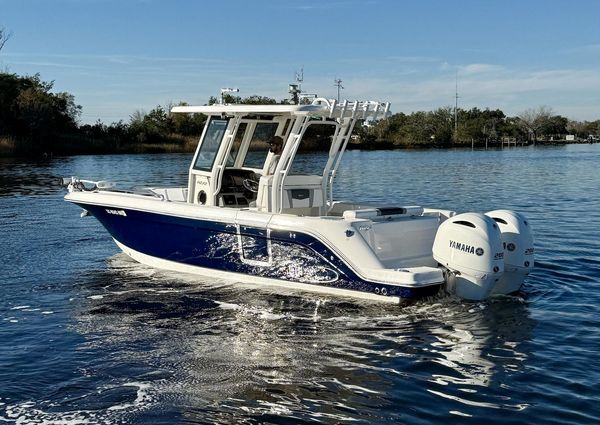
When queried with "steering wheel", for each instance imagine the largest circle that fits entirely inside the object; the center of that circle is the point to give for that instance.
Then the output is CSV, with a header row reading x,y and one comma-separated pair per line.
x,y
250,185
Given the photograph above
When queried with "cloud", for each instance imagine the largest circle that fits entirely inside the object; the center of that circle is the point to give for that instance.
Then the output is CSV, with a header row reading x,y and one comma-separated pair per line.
x,y
48,64
572,92
411,83
589,48
413,59
568,91
115,58
479,68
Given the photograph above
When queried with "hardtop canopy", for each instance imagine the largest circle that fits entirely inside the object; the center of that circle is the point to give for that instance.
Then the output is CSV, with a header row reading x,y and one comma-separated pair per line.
x,y
228,109
320,107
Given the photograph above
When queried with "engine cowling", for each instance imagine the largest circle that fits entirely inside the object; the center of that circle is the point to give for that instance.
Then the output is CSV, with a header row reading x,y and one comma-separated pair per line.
x,y
517,241
469,246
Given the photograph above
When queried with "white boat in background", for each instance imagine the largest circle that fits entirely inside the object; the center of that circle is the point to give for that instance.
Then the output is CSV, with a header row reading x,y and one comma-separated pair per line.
x,y
236,220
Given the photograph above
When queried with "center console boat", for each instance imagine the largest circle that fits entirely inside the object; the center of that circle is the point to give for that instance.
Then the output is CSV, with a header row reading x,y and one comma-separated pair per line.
x,y
236,220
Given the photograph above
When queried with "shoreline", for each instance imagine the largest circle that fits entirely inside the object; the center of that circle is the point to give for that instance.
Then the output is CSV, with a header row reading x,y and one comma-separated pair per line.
x,y
163,148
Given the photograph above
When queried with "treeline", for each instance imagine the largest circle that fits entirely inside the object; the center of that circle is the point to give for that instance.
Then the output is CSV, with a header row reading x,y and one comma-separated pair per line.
x,y
155,131
34,120
442,128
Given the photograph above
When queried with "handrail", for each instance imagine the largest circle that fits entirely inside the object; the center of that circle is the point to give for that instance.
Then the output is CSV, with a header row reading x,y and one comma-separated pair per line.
x,y
284,171
344,143
336,144
320,100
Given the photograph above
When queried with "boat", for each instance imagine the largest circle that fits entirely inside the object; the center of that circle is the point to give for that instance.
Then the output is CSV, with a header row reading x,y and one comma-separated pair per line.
x,y
248,215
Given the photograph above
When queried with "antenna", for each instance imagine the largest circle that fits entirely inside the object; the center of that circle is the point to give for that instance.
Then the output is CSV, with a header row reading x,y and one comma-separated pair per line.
x,y
338,83
299,76
456,96
295,90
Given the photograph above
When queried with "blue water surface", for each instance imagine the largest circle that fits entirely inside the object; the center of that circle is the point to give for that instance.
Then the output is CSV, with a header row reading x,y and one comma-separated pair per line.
x,y
89,336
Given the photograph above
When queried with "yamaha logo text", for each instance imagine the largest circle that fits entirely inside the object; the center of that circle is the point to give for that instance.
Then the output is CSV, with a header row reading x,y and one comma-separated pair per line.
x,y
466,248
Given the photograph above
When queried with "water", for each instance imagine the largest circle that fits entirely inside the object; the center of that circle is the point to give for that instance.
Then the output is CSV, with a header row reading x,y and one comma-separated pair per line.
x,y
88,336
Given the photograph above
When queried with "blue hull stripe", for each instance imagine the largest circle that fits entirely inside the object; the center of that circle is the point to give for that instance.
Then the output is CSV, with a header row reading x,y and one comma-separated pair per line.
x,y
215,245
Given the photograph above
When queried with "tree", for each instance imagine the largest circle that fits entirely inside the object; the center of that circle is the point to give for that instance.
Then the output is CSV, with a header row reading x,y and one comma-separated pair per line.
x,y
555,126
137,117
250,100
592,128
4,36
152,127
417,129
441,125
259,100
32,113
186,124
532,120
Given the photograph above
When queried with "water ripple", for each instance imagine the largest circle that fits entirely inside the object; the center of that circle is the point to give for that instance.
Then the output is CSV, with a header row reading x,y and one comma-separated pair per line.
x,y
90,336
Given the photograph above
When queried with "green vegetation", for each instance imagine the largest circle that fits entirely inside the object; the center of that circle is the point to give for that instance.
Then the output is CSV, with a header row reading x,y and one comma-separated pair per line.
x,y
35,121
251,100
155,131
475,127
31,115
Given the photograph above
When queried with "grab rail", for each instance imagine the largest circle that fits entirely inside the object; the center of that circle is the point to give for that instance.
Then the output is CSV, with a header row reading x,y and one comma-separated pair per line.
x,y
369,108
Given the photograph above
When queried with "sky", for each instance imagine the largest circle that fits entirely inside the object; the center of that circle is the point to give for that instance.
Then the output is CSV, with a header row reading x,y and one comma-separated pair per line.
x,y
121,56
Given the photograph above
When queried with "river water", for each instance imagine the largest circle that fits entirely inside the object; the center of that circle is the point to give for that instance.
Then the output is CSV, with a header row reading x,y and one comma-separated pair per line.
x,y
89,336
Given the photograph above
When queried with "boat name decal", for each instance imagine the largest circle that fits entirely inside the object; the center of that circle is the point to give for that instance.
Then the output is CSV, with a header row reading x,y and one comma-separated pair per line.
x,y
117,212
466,248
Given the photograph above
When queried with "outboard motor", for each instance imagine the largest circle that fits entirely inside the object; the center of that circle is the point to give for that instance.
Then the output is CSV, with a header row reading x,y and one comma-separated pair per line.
x,y
469,246
517,241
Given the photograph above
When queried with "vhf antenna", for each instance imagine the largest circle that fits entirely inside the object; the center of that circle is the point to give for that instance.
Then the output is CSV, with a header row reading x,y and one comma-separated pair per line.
x,y
338,83
295,90
300,78
456,96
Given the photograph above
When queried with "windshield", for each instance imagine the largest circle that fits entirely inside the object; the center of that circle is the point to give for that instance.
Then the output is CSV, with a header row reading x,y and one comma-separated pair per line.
x,y
210,144
237,142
